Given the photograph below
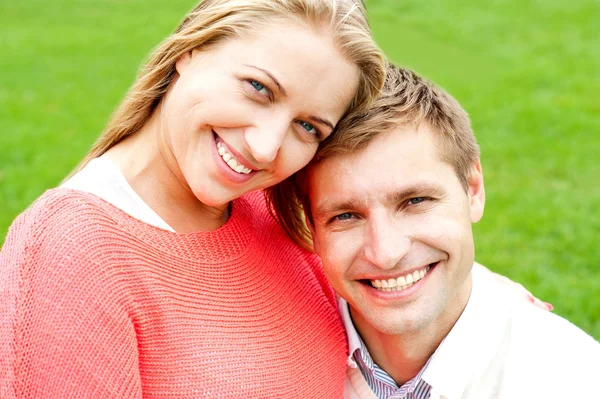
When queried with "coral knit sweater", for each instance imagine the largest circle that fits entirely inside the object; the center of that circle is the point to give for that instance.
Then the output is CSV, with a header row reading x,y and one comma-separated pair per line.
x,y
97,304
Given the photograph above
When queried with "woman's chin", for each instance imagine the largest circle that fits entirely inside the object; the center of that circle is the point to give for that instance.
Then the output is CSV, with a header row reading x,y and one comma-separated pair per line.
x,y
217,201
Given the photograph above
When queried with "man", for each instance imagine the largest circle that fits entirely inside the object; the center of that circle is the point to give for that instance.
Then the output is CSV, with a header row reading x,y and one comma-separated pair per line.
x,y
390,202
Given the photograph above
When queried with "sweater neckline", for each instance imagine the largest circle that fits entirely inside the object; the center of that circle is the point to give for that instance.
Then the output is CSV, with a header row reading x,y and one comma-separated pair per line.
x,y
230,241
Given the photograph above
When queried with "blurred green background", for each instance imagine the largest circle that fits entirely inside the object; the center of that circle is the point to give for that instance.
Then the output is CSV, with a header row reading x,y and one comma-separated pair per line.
x,y
526,71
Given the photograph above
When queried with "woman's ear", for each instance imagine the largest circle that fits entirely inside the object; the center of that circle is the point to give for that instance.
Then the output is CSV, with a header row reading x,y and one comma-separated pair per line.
x,y
476,192
183,62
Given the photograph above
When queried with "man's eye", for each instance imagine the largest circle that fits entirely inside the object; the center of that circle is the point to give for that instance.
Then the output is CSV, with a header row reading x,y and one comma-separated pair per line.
x,y
343,216
416,200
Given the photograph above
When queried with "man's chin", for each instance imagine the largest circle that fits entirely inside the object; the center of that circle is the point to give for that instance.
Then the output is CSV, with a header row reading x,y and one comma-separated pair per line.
x,y
391,321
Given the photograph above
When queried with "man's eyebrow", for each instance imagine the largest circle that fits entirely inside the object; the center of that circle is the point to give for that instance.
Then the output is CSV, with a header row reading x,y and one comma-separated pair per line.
x,y
417,190
328,206
332,206
270,75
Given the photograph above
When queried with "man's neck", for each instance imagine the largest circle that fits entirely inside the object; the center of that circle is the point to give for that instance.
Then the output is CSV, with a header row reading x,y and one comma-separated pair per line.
x,y
403,355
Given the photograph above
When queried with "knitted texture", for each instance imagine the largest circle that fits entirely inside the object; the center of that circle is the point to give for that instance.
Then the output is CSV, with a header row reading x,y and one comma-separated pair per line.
x,y
96,304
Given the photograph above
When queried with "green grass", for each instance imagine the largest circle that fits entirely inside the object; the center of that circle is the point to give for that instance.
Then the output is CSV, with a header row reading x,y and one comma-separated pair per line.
x,y
525,70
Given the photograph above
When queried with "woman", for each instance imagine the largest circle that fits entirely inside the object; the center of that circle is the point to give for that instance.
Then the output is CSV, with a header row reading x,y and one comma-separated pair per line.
x,y
151,272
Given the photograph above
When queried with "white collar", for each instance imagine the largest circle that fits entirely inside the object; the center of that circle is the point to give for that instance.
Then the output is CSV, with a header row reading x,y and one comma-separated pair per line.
x,y
354,341
103,178
470,344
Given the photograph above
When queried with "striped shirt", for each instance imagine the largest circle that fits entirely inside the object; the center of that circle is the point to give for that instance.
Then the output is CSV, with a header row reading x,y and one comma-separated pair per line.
x,y
379,381
383,385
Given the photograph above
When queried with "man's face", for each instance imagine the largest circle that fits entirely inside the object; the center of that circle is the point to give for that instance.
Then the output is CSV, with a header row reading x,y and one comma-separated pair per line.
x,y
392,224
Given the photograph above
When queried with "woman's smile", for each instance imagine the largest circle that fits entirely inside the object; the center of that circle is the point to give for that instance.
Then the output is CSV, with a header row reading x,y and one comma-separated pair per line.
x,y
231,163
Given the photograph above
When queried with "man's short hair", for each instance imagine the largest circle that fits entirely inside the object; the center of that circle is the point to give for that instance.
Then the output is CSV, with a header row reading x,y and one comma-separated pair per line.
x,y
408,100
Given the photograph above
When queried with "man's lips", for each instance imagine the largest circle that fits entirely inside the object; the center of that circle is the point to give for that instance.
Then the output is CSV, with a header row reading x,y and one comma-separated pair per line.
x,y
399,281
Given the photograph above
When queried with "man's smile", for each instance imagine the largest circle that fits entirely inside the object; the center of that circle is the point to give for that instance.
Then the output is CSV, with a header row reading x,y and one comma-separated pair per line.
x,y
402,282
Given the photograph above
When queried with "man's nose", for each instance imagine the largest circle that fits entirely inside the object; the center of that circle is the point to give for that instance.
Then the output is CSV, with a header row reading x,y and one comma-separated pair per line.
x,y
385,243
265,139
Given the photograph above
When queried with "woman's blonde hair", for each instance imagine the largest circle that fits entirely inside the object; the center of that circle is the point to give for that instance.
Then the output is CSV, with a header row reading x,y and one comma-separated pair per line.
x,y
214,20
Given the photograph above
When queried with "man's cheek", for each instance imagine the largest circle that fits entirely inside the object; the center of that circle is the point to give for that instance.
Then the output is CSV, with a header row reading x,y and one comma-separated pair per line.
x,y
333,260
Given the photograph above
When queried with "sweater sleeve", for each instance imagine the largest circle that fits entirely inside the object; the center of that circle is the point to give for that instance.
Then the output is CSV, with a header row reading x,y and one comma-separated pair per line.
x,y
64,327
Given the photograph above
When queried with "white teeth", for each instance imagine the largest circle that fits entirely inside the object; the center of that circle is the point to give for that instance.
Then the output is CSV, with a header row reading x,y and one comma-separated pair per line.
x,y
400,283
231,161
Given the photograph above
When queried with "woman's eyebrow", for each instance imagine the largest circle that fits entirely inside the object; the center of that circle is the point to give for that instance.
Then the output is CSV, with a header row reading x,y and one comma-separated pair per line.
x,y
321,120
283,92
270,75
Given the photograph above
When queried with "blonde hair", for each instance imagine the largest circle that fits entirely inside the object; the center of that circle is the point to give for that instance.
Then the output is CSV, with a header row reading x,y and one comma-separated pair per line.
x,y
212,21
405,100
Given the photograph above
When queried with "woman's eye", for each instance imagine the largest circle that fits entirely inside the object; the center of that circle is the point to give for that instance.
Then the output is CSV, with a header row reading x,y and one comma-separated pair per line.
x,y
416,200
259,87
309,128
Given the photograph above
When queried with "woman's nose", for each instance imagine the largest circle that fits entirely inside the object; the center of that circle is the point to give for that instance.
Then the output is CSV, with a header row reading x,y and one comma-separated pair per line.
x,y
265,140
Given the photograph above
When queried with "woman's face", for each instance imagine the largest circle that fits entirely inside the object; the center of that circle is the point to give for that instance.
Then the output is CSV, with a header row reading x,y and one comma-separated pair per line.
x,y
248,113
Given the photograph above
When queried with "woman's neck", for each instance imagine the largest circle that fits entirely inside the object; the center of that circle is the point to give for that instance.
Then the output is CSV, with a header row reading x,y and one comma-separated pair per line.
x,y
146,161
